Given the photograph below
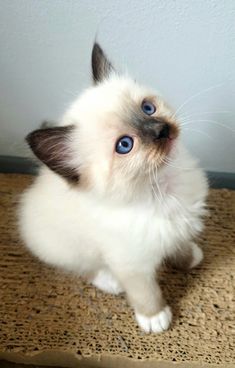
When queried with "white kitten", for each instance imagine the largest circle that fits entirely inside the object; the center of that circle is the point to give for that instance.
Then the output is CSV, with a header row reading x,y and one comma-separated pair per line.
x,y
118,193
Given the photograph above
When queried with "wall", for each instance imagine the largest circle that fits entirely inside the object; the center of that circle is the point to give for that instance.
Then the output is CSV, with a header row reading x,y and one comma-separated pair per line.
x,y
183,48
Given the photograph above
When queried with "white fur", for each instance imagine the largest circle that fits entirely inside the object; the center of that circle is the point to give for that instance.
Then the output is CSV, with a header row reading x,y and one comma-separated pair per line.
x,y
158,323
197,255
125,229
105,281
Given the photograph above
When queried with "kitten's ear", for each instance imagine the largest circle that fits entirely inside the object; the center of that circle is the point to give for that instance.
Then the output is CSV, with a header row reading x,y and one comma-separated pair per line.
x,y
101,66
52,147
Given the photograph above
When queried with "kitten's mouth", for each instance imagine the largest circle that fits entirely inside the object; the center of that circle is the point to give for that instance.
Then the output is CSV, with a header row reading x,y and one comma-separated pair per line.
x,y
164,130
170,143
166,142
168,136
158,134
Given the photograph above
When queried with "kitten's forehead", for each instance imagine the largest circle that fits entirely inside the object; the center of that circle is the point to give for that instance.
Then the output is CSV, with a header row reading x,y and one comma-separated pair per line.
x,y
117,92
112,95
113,108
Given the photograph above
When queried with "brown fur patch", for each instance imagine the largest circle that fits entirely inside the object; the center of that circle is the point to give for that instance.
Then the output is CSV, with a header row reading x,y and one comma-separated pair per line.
x,y
51,146
101,66
155,132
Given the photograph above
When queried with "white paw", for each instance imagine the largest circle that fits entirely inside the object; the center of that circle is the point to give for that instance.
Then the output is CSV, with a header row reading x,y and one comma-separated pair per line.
x,y
158,323
106,282
197,255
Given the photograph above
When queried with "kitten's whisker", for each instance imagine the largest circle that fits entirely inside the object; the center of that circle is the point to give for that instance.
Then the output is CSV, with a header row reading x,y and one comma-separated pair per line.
x,y
196,95
163,199
201,132
207,120
183,210
150,179
168,162
155,184
70,93
185,116
152,186
156,181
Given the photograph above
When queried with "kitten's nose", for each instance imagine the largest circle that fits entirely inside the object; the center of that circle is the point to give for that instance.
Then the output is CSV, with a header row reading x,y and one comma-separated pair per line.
x,y
157,129
164,131
161,130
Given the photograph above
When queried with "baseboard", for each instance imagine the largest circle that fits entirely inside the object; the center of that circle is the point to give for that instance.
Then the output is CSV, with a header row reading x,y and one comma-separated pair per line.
x,y
17,165
221,179
21,165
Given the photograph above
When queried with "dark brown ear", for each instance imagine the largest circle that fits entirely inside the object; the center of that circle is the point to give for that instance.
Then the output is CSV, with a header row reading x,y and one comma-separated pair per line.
x,y
52,147
101,66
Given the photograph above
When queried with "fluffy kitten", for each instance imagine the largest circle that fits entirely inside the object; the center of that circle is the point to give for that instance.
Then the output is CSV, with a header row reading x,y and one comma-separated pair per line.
x,y
117,194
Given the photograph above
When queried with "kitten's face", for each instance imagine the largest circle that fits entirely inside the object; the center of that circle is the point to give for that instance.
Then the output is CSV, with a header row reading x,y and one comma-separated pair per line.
x,y
116,133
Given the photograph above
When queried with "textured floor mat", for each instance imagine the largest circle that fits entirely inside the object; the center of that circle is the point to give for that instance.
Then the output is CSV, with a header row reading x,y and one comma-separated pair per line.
x,y
48,317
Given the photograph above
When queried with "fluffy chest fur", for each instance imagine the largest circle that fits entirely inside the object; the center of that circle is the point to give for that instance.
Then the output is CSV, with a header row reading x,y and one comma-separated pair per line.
x,y
138,233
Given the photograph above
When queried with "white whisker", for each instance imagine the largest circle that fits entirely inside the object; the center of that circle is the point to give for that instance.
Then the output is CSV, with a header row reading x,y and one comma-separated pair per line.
x,y
201,132
158,194
169,163
209,121
186,116
152,186
183,211
163,201
156,181
196,95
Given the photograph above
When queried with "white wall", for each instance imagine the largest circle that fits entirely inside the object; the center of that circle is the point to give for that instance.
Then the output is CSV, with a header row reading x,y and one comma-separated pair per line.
x,y
180,47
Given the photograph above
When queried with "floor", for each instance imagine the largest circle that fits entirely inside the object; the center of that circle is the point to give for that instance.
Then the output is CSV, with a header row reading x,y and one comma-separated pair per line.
x,y
49,316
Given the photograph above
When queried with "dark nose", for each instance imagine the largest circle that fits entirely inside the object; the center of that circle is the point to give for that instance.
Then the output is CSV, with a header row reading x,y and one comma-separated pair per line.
x,y
160,129
155,129
164,131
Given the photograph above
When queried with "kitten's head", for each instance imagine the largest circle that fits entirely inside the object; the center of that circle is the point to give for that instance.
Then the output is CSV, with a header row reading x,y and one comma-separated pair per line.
x,y
113,135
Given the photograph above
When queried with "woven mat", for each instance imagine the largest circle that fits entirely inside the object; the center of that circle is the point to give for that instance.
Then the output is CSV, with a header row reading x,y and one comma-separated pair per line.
x,y
48,317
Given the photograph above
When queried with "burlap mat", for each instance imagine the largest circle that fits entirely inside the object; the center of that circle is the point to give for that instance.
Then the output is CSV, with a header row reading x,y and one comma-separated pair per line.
x,y
48,317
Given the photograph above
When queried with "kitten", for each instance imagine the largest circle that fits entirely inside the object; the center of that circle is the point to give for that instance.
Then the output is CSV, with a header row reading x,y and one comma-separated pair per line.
x,y
117,194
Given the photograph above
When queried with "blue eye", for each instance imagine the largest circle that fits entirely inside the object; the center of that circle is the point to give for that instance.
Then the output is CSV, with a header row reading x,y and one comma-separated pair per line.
x,y
148,108
124,145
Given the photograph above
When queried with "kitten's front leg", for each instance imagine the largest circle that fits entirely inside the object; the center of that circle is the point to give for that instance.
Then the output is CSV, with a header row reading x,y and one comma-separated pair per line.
x,y
144,294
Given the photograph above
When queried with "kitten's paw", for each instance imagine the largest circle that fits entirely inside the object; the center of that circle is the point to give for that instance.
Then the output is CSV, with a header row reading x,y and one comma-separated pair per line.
x,y
158,323
197,255
107,283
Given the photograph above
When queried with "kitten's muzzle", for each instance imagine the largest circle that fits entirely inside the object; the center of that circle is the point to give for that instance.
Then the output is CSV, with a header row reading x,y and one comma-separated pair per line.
x,y
161,129
154,129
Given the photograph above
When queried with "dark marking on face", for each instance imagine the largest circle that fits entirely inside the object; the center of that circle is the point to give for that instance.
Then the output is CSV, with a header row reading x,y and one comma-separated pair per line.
x,y
51,146
101,66
153,129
